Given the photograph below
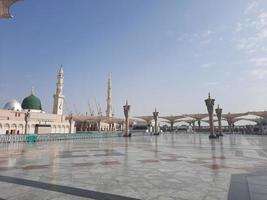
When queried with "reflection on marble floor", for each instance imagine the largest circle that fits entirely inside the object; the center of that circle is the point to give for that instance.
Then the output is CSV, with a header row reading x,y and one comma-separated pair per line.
x,y
170,166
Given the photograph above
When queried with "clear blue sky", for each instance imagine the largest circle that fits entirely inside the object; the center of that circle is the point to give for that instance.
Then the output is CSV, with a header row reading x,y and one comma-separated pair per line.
x,y
162,53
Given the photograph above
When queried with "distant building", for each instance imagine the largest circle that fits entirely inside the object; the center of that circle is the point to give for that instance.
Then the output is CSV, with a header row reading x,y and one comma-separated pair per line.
x,y
84,123
29,117
97,123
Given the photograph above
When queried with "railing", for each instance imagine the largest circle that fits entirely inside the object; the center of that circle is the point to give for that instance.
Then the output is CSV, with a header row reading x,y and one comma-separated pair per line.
x,y
57,137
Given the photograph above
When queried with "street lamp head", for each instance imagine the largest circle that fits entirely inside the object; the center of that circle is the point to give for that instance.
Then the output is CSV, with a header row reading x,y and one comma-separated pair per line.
x,y
126,108
209,103
155,114
218,111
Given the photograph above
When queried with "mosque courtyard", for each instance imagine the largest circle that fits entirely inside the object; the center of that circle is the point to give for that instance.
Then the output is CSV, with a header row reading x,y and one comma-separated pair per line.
x,y
169,166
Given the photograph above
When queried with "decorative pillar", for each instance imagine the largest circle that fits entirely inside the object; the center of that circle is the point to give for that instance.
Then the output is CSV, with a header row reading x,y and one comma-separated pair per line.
x,y
193,122
210,104
261,126
121,125
99,128
70,121
230,125
172,122
149,126
155,115
126,109
218,111
199,124
27,119
233,125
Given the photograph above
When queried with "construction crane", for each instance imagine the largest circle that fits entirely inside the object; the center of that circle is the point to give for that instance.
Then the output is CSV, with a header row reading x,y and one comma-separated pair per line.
x,y
98,108
67,107
75,109
90,109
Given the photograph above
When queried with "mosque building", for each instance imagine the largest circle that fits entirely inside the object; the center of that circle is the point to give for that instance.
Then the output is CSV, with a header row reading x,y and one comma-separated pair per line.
x,y
29,117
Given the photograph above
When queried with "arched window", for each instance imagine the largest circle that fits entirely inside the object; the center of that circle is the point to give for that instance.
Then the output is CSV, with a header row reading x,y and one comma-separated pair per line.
x,y
6,126
20,128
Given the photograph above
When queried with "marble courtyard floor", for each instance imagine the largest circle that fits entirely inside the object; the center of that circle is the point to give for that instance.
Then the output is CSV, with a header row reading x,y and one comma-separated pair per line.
x,y
170,166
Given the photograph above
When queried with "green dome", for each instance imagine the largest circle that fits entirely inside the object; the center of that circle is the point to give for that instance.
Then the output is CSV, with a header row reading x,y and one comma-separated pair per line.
x,y
31,103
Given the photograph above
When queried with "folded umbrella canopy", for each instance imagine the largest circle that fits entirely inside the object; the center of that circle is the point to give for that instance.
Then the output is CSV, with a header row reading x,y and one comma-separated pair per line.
x,y
4,8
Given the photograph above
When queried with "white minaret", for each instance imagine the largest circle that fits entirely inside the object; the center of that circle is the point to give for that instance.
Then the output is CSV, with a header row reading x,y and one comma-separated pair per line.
x,y
59,97
109,99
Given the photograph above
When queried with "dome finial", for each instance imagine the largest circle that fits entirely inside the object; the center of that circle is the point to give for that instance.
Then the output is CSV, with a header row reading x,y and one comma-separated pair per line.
x,y
32,91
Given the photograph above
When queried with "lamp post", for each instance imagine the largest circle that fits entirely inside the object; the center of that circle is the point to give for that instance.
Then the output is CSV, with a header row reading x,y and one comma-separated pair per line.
x,y
70,121
199,124
155,115
210,104
172,126
218,111
27,119
193,123
126,109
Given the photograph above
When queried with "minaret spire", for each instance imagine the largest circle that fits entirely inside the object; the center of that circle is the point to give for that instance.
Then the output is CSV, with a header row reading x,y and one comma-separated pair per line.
x,y
109,112
59,97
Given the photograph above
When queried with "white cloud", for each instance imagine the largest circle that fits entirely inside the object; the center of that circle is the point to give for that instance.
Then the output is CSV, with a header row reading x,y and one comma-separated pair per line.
x,y
251,31
262,17
259,62
169,33
252,6
211,83
259,73
208,65
203,37
248,44
181,38
239,27
263,33
208,33
196,35
207,41
259,70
